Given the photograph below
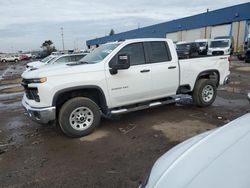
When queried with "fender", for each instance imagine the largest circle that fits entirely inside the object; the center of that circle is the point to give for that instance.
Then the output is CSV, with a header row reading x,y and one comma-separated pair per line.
x,y
103,98
208,72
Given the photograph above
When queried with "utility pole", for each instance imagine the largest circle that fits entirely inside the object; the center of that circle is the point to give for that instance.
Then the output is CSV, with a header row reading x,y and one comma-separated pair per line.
x,y
62,38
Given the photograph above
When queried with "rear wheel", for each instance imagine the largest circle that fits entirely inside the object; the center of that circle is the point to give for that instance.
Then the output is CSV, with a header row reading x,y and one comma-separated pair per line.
x,y
16,60
204,92
79,117
4,60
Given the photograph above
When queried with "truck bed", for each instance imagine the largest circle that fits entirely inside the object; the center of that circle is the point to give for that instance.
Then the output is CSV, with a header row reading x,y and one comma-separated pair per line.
x,y
195,66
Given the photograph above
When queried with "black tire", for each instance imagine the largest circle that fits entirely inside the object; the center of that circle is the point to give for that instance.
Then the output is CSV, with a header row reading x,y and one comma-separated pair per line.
x,y
16,60
70,107
198,98
4,61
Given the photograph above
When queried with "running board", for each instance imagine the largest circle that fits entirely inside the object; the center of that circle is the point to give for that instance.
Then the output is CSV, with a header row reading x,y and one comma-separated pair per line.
x,y
142,107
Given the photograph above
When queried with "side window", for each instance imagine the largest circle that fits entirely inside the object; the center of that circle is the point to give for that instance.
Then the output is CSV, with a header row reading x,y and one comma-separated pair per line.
x,y
158,52
136,53
62,60
78,57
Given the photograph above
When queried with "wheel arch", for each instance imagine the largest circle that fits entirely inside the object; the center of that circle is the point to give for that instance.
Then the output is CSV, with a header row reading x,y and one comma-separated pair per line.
x,y
212,74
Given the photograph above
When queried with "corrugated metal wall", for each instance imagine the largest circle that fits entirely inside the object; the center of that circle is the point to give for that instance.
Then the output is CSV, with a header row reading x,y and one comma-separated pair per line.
x,y
205,25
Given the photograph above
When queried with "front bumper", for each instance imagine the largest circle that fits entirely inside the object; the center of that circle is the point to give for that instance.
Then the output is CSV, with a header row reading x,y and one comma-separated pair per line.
x,y
40,115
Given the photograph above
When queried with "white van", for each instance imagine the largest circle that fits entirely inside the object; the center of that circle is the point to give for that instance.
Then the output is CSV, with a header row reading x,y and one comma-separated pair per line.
x,y
220,47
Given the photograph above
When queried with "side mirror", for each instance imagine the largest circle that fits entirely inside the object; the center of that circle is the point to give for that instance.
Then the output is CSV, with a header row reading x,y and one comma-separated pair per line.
x,y
122,62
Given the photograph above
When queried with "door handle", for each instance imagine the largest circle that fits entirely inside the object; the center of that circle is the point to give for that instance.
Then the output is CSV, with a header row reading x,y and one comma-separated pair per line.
x,y
172,67
145,70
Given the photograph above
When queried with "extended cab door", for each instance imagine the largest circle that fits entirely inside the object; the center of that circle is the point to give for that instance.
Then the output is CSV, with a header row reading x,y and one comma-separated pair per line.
x,y
131,85
164,69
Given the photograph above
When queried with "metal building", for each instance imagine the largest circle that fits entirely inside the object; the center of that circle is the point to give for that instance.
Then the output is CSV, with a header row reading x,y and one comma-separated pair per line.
x,y
230,21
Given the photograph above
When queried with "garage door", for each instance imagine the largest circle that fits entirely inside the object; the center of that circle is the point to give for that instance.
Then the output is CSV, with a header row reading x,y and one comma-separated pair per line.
x,y
173,36
192,34
221,30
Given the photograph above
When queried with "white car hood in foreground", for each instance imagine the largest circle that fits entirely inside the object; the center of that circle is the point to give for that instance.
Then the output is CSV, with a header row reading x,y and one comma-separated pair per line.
x,y
217,159
36,64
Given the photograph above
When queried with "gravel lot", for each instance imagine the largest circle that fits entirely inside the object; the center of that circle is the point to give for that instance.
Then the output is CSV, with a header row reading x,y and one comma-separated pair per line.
x,y
119,153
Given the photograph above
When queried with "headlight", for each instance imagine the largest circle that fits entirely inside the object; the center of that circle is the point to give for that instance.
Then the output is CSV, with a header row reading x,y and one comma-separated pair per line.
x,y
39,80
34,81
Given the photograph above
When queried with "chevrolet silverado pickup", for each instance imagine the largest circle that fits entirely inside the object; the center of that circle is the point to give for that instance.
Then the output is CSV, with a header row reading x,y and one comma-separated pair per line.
x,y
116,78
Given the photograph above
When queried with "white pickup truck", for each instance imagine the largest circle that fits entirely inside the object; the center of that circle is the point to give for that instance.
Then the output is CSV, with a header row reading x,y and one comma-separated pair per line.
x,y
117,78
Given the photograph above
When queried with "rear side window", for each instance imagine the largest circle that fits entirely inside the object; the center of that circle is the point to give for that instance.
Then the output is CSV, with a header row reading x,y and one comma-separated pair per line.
x,y
158,52
136,53
78,57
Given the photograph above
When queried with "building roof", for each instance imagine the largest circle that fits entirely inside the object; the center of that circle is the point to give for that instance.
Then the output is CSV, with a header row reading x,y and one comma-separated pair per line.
x,y
216,17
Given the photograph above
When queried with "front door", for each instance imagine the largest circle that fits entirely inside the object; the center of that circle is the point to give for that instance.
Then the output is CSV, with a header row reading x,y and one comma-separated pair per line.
x,y
131,85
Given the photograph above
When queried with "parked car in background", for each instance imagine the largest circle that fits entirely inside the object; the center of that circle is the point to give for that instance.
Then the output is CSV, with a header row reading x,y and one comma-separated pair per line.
x,y
219,47
203,46
24,57
247,56
10,58
187,49
58,59
116,78
43,61
218,158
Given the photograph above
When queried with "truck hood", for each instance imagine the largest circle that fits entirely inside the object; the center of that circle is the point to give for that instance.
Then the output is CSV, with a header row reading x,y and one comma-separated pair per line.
x,y
61,69
36,64
200,161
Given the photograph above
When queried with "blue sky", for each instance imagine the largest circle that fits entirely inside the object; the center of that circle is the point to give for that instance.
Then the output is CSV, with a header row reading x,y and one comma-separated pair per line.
x,y
25,24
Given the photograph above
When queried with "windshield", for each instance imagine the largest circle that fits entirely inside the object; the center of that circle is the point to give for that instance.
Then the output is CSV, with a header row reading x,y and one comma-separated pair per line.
x,y
219,44
99,53
51,60
183,46
46,59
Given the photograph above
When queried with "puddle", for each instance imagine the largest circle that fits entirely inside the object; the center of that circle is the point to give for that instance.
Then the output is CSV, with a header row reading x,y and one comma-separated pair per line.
x,y
10,106
180,131
12,90
9,96
13,71
233,89
7,86
95,136
246,69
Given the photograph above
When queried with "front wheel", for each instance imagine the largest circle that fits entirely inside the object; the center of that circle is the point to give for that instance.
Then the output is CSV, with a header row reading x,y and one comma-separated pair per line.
x,y
204,92
79,117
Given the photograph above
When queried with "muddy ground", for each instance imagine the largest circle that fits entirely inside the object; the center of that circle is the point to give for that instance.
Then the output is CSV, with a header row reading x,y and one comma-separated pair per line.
x,y
119,153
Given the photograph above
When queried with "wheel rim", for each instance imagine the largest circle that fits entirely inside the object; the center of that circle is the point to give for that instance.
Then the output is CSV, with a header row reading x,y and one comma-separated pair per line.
x,y
81,118
207,93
